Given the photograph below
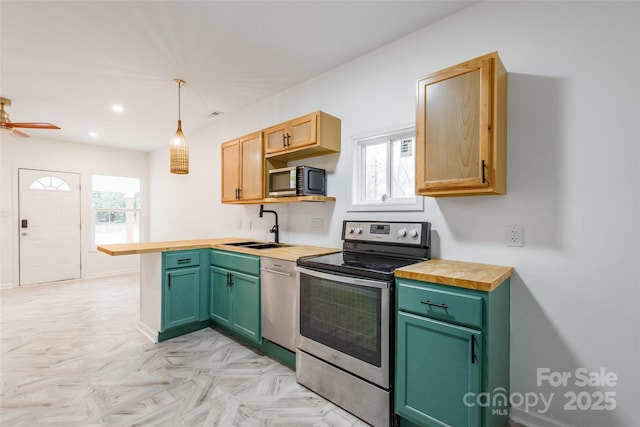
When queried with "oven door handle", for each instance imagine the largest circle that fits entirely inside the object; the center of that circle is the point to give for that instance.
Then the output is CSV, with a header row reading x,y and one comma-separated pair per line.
x,y
345,279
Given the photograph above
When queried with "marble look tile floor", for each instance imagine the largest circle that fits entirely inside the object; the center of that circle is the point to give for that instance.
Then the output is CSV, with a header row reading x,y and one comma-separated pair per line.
x,y
71,356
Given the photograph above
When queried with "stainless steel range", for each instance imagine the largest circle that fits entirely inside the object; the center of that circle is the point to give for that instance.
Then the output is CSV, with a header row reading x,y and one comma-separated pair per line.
x,y
345,347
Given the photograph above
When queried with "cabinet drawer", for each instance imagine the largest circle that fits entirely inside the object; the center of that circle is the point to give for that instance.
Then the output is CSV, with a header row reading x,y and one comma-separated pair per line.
x,y
182,259
249,264
449,306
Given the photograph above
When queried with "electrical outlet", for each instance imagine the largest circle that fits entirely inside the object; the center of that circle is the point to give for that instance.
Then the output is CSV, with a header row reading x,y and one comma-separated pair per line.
x,y
515,235
249,225
239,225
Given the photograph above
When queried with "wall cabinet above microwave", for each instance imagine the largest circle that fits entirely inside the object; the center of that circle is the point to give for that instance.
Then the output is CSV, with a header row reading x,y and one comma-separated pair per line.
x,y
311,135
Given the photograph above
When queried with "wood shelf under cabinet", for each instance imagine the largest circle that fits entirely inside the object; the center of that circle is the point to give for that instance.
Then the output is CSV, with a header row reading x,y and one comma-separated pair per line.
x,y
293,199
290,199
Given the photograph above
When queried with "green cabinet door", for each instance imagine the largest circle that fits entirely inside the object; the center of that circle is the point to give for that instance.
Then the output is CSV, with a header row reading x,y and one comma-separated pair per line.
x,y
245,305
220,296
437,365
181,297
235,293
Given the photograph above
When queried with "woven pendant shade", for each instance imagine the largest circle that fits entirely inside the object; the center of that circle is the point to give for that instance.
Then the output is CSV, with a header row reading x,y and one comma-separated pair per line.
x,y
179,149
179,152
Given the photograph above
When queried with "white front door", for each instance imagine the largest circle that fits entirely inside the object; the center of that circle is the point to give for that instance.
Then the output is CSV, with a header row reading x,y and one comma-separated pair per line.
x,y
49,226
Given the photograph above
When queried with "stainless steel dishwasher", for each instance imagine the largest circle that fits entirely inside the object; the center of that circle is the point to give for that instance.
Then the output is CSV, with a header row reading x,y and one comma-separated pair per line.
x,y
279,288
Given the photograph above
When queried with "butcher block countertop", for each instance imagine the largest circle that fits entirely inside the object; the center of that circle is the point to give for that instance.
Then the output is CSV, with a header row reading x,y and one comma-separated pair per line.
x,y
286,252
470,275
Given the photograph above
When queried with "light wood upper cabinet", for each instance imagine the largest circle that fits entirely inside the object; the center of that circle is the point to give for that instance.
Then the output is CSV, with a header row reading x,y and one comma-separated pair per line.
x,y
310,135
243,169
461,129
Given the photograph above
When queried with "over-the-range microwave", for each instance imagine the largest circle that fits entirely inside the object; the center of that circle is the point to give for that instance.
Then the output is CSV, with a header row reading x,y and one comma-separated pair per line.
x,y
297,181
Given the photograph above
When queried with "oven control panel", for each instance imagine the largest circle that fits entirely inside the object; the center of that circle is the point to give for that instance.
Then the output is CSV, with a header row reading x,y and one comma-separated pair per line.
x,y
411,233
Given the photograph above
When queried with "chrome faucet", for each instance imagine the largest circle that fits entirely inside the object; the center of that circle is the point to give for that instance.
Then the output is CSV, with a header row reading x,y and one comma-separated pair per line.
x,y
276,228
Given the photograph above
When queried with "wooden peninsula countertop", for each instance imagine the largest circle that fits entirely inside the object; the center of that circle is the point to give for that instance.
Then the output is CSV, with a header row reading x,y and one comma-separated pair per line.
x,y
482,277
470,275
285,252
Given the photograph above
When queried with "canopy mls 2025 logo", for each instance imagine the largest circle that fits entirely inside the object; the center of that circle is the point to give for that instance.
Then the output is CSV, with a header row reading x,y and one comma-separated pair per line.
x,y
582,396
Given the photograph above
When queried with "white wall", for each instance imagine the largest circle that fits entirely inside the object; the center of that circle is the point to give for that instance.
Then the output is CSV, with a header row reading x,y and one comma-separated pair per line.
x,y
573,181
45,154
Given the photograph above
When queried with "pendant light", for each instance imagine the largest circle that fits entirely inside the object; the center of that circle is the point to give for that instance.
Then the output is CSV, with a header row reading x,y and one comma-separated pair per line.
x,y
179,149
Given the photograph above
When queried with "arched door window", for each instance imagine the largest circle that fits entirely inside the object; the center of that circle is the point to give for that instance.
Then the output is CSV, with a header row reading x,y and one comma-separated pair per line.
x,y
50,183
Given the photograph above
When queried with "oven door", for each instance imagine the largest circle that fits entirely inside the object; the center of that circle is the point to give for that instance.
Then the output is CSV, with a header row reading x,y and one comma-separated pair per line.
x,y
345,321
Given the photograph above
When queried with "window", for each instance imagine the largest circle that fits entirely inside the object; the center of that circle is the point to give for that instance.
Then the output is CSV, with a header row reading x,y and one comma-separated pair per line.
x,y
50,183
116,209
384,172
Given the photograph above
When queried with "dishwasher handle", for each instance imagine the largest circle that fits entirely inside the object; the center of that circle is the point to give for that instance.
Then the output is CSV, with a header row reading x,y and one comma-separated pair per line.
x,y
282,273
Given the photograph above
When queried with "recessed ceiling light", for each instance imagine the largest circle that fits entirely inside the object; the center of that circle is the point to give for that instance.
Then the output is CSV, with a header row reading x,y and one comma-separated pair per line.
x,y
93,134
117,108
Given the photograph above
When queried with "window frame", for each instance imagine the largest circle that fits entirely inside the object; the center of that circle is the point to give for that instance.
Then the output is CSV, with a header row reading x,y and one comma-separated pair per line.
x,y
358,203
137,212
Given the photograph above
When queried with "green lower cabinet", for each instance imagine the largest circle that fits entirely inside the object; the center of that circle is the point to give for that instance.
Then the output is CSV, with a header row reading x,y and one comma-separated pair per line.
x,y
220,303
185,293
438,365
452,355
245,305
181,297
235,295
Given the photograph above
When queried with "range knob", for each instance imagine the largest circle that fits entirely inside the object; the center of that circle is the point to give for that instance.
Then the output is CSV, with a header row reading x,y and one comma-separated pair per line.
x,y
358,230
413,233
350,230
402,232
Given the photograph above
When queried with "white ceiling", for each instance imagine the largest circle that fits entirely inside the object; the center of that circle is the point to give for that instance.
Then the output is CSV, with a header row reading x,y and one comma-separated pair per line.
x,y
67,62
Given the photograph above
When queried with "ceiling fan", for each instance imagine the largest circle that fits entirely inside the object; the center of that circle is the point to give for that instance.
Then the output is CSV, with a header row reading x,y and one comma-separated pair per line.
x,y
7,125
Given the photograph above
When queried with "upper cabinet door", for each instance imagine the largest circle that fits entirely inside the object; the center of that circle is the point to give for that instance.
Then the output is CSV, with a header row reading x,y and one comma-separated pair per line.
x,y
275,138
302,131
252,181
243,169
461,129
230,170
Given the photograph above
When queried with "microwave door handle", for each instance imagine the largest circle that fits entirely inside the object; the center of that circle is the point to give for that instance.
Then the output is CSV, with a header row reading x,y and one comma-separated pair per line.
x,y
344,279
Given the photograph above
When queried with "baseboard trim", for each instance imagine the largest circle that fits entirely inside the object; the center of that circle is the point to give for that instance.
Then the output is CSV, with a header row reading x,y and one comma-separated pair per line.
x,y
148,332
530,419
6,285
112,273
182,330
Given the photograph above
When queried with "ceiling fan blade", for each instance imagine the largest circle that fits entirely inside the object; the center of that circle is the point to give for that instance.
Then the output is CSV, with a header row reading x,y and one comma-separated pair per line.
x,y
19,134
29,125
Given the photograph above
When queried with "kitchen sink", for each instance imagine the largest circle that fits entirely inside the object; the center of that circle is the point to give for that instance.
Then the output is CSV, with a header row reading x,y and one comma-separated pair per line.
x,y
258,245
242,243
266,246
